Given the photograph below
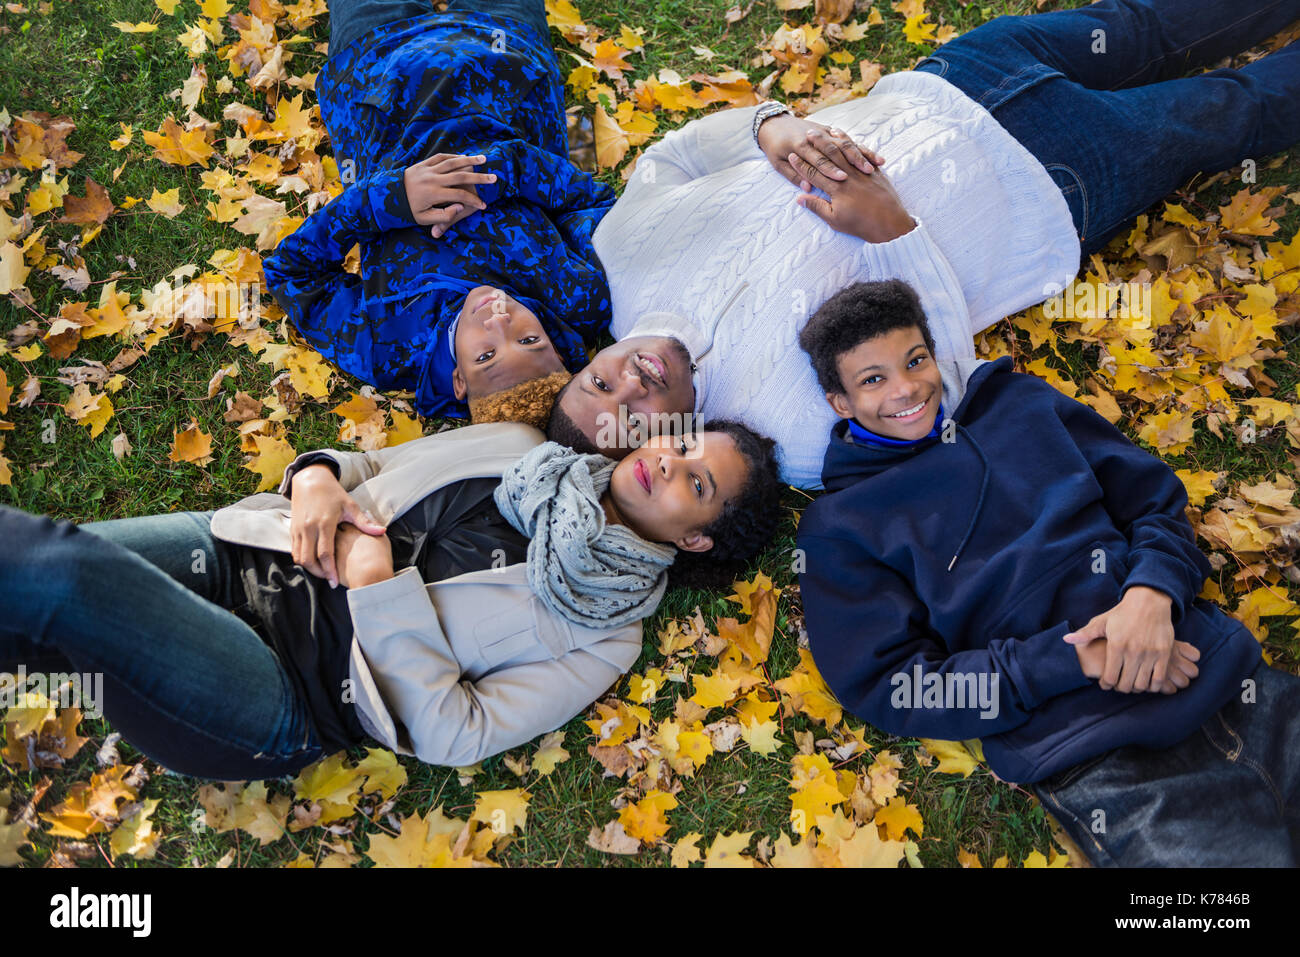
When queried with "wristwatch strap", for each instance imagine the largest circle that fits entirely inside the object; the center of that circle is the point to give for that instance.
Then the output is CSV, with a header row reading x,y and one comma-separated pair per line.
x,y
766,111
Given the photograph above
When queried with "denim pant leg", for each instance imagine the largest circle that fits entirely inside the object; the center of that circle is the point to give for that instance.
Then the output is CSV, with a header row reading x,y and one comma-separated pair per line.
x,y
1226,796
1114,44
1114,151
532,12
185,680
352,19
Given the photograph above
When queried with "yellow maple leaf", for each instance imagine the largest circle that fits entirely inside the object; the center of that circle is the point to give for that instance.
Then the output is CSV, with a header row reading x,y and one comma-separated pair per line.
x,y
1246,215
168,204
179,147
728,850
272,457
695,746
1199,484
191,444
898,816
143,26
419,843
92,411
564,16
503,811
550,752
714,690
866,849
645,820
807,692
953,757
13,268
685,852
611,141
405,428
918,30
761,736
136,836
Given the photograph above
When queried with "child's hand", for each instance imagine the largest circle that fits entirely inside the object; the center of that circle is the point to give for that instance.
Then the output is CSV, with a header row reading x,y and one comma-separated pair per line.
x,y
1139,635
440,190
1182,664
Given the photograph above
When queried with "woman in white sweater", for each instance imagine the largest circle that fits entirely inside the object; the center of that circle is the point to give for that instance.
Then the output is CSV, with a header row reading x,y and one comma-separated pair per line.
x,y
1014,149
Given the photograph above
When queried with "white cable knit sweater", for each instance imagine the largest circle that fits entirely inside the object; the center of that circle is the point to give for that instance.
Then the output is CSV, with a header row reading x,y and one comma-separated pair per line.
x,y
707,244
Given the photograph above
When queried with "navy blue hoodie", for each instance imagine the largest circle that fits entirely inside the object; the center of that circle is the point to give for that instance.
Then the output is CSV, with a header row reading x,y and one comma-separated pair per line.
x,y
974,552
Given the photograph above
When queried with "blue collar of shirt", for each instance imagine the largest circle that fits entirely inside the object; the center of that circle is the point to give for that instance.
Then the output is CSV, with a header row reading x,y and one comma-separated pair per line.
x,y
866,436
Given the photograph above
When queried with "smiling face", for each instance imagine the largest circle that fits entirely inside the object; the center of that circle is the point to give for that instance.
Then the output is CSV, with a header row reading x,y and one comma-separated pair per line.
x,y
892,385
644,375
673,487
499,343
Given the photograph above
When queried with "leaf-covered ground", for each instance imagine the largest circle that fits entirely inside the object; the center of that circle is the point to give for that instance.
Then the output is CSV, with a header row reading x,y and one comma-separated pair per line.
x,y
154,151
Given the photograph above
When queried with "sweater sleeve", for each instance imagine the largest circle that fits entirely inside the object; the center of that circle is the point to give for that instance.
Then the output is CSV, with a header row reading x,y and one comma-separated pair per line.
x,y
575,203
914,257
870,638
1146,501
305,273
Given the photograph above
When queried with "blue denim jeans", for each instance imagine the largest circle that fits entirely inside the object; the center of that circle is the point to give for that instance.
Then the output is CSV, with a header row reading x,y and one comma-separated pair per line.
x,y
1227,796
1097,94
149,603
352,19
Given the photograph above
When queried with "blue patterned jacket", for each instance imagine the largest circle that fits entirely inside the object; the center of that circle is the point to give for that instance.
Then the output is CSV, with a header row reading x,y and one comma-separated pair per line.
x,y
470,83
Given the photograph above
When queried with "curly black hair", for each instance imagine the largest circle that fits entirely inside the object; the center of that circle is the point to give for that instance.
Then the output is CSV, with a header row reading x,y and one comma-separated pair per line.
x,y
858,312
561,428
747,521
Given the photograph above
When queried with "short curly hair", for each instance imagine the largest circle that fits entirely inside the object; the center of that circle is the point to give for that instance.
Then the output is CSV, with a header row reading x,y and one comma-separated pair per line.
x,y
747,521
857,313
529,402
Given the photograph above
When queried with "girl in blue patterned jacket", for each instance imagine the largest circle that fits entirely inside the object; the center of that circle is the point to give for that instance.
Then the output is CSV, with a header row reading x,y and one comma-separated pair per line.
x,y
477,269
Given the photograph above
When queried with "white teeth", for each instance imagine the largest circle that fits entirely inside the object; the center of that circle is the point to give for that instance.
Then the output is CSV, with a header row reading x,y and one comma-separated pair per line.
x,y
906,412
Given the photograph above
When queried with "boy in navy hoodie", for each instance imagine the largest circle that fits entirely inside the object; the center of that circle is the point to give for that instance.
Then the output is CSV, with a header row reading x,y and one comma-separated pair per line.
x,y
995,560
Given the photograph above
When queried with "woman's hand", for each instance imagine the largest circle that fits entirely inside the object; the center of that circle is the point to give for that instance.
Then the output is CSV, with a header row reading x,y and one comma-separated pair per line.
x,y
362,559
821,147
440,189
319,504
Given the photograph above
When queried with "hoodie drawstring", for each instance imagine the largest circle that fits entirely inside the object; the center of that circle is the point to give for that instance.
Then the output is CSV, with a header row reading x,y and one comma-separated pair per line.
x,y
979,503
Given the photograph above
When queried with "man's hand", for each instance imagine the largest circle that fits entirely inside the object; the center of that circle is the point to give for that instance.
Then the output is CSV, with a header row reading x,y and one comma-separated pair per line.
x,y
818,145
440,190
1182,668
363,559
862,205
1140,644
319,505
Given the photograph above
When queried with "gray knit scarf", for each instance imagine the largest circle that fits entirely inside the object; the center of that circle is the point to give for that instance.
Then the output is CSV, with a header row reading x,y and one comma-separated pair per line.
x,y
586,570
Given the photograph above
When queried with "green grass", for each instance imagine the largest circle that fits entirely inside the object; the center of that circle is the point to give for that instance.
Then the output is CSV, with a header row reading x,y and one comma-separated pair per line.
x,y
72,61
